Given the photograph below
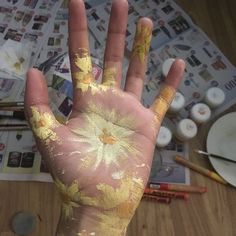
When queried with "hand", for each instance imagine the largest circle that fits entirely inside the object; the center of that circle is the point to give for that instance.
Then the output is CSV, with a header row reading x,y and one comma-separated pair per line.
x,y
100,159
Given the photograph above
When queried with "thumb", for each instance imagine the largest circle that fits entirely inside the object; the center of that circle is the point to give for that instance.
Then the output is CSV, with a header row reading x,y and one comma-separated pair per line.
x,y
37,110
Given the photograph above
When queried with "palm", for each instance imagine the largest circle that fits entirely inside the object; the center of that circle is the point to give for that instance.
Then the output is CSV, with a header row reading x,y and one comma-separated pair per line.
x,y
110,131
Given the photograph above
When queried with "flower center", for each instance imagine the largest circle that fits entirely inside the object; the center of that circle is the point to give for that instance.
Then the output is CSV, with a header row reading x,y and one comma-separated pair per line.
x,y
87,79
107,138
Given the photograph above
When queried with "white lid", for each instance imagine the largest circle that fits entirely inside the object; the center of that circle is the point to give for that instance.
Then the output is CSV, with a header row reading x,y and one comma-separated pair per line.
x,y
167,65
178,103
164,137
214,97
200,113
186,129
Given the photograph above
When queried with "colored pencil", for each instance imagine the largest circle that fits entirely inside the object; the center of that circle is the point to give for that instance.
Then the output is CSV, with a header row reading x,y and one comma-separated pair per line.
x,y
178,187
200,169
157,198
162,193
11,104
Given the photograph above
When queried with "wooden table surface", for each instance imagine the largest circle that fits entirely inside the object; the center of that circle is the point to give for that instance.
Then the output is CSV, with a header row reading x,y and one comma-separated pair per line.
x,y
211,214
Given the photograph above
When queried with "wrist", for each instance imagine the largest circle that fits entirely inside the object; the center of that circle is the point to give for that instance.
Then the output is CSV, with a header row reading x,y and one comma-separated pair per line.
x,y
94,222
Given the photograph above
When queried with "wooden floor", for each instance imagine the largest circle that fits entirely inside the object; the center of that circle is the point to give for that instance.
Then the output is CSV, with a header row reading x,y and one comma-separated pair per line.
x,y
213,214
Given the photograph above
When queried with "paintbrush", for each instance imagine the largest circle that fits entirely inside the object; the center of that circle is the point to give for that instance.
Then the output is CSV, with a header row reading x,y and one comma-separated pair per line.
x,y
214,155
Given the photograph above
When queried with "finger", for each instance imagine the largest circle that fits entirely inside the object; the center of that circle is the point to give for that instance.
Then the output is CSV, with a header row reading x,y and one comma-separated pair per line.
x,y
168,90
37,110
114,51
138,63
80,60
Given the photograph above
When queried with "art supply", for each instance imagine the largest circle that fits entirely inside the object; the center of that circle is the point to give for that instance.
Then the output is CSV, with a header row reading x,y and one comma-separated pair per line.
x,y
164,137
214,97
166,66
163,193
200,169
178,188
13,127
13,115
177,104
214,155
157,198
200,113
11,104
186,130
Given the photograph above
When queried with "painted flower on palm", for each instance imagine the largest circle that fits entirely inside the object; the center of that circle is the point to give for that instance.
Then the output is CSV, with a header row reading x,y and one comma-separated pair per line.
x,y
108,134
84,77
70,197
120,204
43,124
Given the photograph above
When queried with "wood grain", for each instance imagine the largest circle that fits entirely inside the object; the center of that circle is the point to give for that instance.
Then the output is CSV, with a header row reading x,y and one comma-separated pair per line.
x,y
211,214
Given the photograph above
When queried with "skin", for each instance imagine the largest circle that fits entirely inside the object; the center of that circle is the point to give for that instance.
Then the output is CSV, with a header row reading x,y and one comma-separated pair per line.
x,y
100,159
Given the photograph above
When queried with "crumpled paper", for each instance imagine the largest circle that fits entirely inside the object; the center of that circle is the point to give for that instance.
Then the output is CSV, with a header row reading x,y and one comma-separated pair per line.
x,y
15,57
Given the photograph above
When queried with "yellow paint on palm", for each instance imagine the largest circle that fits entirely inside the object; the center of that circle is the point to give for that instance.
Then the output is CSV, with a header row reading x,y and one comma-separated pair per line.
x,y
108,135
162,103
127,195
72,197
43,124
84,77
142,42
120,204
83,61
109,76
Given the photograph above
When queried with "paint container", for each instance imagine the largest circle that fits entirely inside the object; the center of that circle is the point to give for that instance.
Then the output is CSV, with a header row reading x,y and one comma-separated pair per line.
x,y
164,137
177,104
186,130
214,97
200,113
166,66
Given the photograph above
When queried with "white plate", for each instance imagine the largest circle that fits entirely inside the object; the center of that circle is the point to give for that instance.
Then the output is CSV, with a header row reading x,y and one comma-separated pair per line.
x,y
221,140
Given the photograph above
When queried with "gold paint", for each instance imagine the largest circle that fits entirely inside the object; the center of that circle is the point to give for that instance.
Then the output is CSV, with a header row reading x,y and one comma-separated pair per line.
x,y
19,63
86,83
43,125
116,130
129,191
87,162
109,76
84,77
69,196
142,42
72,197
83,60
119,205
167,93
107,138
162,103
160,106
